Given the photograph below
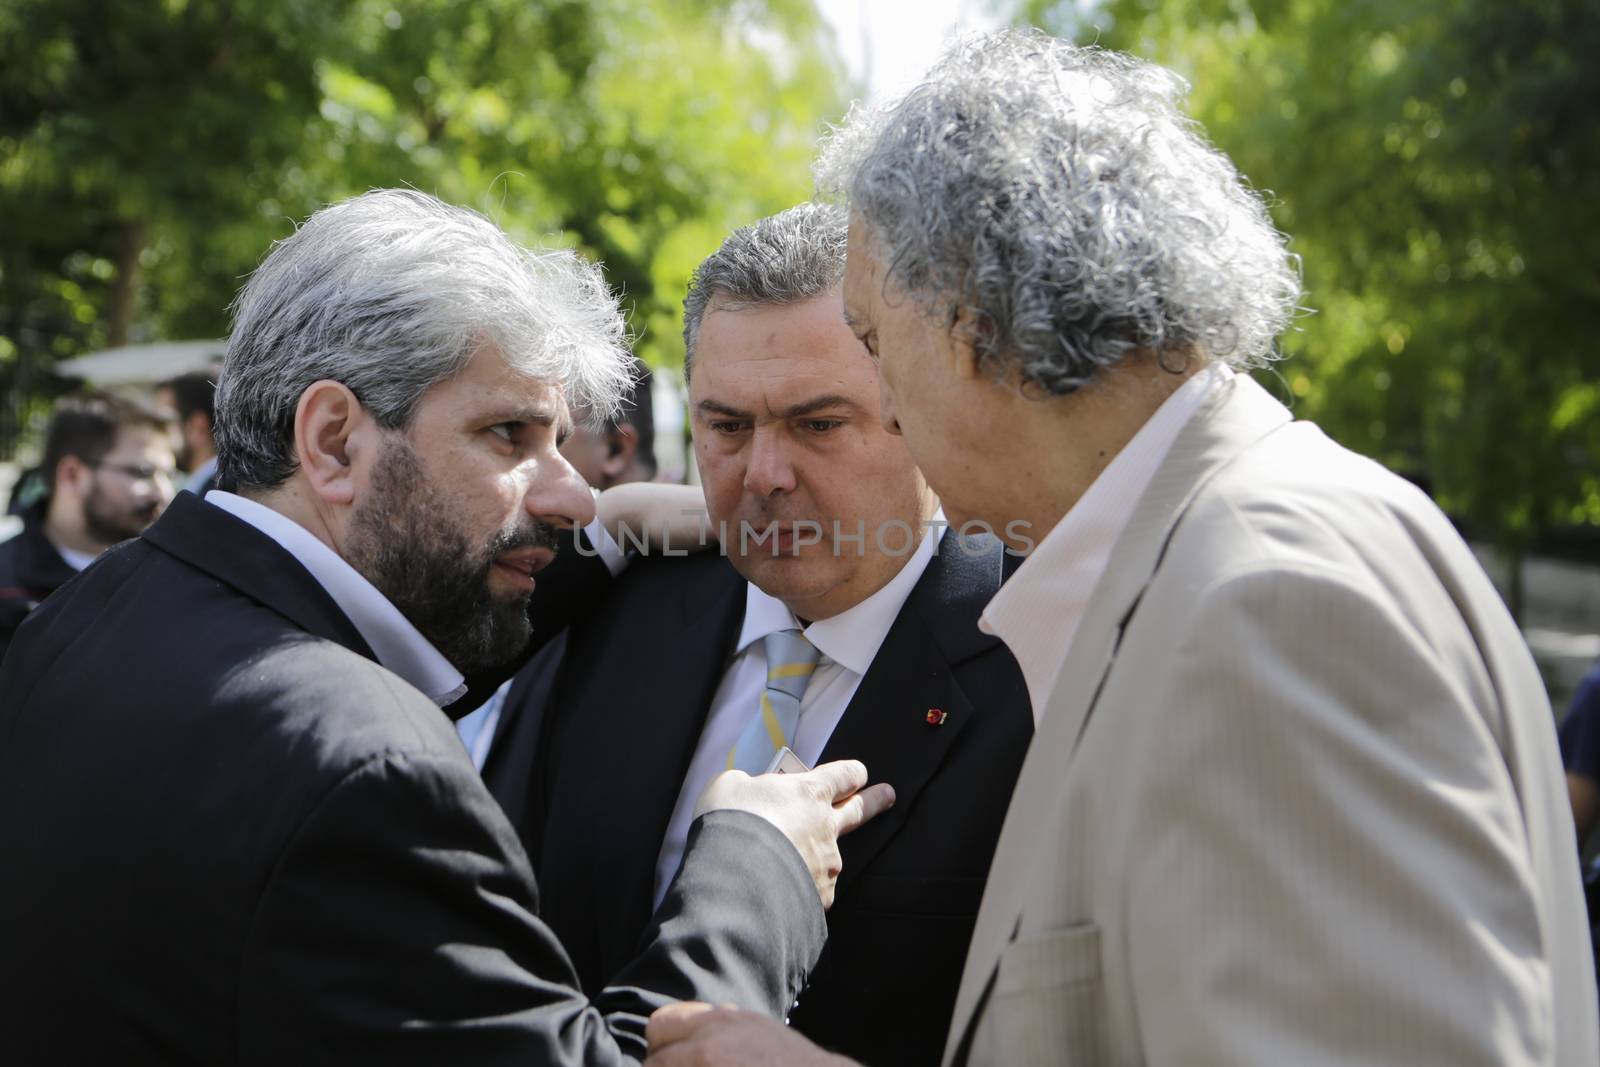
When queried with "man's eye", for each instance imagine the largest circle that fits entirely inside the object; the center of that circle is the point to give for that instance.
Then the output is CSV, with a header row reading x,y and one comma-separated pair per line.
x,y
727,427
823,425
504,430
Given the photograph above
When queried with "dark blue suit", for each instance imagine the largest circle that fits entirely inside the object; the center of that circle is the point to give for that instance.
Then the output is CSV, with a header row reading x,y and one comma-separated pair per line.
x,y
595,742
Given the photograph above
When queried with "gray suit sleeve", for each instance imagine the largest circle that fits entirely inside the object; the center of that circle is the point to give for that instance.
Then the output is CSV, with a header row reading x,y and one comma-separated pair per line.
x,y
400,926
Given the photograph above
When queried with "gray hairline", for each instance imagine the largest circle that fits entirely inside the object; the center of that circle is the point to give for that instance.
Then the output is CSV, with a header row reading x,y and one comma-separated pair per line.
x,y
397,273
747,271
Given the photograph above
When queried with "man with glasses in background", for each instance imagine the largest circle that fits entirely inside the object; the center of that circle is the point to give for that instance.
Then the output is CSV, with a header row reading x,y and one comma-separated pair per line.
x,y
108,467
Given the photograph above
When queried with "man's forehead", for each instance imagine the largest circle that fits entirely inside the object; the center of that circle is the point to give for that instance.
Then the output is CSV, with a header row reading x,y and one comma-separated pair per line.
x,y
860,270
137,437
488,379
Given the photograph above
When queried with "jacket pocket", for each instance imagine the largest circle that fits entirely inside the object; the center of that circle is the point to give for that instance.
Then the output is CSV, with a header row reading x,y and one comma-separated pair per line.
x,y
1047,1006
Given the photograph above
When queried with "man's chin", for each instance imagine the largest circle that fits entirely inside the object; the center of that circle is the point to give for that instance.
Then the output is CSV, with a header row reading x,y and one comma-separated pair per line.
x,y
789,578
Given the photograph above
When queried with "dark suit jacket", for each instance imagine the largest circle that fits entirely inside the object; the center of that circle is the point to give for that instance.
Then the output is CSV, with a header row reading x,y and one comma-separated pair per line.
x,y
229,836
618,723
30,570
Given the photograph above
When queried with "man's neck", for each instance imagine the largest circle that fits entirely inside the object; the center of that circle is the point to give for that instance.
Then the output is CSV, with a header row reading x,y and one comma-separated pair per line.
x,y
1058,447
299,507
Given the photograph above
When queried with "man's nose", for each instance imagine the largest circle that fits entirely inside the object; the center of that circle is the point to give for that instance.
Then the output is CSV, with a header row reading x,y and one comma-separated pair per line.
x,y
558,494
769,470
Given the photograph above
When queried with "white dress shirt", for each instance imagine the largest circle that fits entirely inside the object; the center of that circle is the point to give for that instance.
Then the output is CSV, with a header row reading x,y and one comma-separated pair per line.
x,y
75,559
393,640
848,642
1037,612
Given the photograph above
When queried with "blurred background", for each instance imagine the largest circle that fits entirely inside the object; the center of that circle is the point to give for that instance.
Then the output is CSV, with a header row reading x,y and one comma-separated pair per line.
x,y
1436,161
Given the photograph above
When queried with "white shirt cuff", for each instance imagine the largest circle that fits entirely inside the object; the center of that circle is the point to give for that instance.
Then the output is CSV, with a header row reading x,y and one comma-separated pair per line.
x,y
605,546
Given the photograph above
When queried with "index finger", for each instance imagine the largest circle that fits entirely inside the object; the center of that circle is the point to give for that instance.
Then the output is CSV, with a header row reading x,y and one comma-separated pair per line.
x,y
675,1022
840,778
862,807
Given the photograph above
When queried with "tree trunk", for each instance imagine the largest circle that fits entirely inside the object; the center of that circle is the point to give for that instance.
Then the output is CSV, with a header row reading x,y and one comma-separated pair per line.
x,y
130,240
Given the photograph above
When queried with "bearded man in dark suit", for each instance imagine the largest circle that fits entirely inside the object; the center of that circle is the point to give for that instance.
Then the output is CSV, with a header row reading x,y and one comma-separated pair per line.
x,y
237,825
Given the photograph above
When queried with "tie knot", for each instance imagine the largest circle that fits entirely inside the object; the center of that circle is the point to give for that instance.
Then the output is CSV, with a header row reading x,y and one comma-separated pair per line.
x,y
789,655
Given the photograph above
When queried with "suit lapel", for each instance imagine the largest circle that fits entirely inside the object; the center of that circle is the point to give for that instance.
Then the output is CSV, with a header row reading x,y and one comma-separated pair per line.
x,y
1237,416
664,721
887,724
237,554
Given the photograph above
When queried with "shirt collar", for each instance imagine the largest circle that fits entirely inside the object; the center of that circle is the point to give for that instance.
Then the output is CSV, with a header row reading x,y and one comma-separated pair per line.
x,y
394,641
852,637
1036,613
74,559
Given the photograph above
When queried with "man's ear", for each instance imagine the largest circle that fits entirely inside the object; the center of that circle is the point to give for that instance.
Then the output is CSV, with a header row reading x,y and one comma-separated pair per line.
x,y
963,352
73,474
622,444
331,429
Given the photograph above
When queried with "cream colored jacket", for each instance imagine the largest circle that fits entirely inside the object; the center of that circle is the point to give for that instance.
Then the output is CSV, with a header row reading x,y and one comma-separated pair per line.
x,y
1296,799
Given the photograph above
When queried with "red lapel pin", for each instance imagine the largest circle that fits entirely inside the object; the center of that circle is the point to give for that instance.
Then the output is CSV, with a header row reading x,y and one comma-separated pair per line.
x,y
937,717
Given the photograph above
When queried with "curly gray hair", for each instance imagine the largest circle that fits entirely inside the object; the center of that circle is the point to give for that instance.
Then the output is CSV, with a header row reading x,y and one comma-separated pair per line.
x,y
390,293
1056,202
785,258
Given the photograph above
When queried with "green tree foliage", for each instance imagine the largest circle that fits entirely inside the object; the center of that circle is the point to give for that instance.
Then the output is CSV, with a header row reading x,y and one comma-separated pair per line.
x,y
150,151
1437,163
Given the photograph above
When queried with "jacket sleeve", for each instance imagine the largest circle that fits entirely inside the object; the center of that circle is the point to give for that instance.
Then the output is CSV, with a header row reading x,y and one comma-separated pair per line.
x,y
400,926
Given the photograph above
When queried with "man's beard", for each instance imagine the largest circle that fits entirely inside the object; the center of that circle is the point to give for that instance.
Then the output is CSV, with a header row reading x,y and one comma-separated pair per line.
x,y
405,541
106,525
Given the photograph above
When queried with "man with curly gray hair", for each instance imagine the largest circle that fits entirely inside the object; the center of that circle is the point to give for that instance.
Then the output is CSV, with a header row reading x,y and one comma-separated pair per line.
x,y
1294,795
249,831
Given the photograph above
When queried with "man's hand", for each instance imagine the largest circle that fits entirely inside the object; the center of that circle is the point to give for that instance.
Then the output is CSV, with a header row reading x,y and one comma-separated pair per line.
x,y
660,516
698,1035
813,809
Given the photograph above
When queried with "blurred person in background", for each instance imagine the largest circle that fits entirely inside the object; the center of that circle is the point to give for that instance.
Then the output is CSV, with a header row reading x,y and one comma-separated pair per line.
x,y
621,449
1580,754
107,473
193,398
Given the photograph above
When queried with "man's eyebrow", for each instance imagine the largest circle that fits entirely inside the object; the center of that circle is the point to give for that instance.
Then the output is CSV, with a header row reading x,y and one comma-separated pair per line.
x,y
536,416
815,404
854,320
793,411
717,407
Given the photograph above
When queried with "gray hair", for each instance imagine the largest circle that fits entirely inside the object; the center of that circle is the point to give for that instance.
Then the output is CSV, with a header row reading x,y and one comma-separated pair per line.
x,y
1055,202
785,258
391,293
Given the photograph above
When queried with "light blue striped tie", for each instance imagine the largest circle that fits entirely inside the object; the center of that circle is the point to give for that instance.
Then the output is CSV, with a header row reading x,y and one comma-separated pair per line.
x,y
791,659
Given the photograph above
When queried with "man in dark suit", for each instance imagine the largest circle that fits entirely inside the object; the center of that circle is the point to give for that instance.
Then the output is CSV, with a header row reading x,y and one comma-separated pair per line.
x,y
107,473
193,399
237,826
851,631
